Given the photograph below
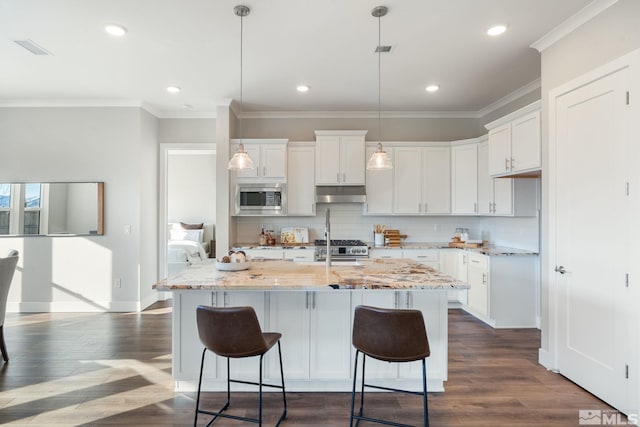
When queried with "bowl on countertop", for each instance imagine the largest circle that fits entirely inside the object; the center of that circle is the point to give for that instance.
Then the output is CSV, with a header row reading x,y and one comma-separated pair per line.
x,y
232,266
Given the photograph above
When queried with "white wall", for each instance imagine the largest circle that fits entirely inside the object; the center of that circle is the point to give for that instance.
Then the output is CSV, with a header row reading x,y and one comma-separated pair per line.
x,y
609,35
84,144
192,189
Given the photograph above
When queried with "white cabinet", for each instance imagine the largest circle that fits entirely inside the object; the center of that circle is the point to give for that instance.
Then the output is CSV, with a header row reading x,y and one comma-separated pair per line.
x,y
264,254
514,142
504,196
306,319
428,257
478,279
301,179
269,158
422,180
299,255
503,290
380,186
340,157
376,253
464,179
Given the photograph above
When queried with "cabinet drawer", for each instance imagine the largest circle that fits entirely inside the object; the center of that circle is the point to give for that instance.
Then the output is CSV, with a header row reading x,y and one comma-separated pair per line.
x,y
422,255
478,260
385,253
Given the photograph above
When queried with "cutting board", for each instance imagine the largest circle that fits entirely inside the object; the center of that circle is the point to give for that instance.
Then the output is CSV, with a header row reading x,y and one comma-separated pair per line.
x,y
294,235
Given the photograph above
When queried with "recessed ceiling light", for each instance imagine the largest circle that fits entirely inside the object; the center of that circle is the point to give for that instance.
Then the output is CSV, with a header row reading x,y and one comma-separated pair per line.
x,y
496,30
432,88
173,89
303,88
115,30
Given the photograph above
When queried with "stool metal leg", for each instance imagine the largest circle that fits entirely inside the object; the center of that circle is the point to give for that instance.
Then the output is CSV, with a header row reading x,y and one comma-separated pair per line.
x,y
353,390
260,394
424,391
195,420
284,395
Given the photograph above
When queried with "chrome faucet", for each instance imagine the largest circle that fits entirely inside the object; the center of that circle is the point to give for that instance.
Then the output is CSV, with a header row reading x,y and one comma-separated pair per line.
x,y
327,236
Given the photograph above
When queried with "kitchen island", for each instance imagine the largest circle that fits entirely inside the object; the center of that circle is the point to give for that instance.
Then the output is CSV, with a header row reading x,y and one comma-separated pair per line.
x,y
312,306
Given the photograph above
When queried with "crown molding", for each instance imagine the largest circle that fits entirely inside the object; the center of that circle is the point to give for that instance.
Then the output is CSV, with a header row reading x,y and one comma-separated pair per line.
x,y
356,114
69,102
516,94
585,14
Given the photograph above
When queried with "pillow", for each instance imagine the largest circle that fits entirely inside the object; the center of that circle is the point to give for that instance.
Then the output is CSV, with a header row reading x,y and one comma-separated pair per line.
x,y
193,235
192,226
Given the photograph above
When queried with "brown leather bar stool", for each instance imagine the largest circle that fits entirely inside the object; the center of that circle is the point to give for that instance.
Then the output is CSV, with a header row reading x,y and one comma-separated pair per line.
x,y
234,332
391,335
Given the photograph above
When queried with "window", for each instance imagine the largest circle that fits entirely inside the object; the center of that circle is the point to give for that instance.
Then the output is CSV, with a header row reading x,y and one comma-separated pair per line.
x,y
5,208
32,208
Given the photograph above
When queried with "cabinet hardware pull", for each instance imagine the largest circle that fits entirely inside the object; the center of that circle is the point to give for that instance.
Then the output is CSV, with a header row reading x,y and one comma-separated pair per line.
x,y
475,207
264,171
307,301
313,300
344,177
395,297
484,278
511,163
338,177
506,164
560,269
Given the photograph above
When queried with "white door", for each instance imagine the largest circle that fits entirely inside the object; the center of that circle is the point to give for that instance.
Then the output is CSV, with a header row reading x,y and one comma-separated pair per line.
x,y
591,206
274,161
327,160
352,160
500,150
503,196
485,181
301,181
331,325
525,142
253,150
464,179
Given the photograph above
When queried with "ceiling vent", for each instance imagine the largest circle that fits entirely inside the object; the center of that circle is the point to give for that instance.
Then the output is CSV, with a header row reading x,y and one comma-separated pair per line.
x,y
383,49
33,47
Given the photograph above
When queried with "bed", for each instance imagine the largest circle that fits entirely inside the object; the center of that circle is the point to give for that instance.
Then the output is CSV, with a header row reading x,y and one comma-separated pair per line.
x,y
187,246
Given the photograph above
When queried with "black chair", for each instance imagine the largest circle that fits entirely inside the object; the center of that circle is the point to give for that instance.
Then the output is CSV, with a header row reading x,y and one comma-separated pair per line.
x,y
390,335
7,268
234,332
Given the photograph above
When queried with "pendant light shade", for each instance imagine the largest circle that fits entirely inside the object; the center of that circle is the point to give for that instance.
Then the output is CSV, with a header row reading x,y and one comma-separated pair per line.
x,y
241,160
379,160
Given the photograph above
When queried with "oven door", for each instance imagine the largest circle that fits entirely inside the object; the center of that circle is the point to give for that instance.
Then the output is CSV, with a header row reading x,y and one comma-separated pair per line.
x,y
260,199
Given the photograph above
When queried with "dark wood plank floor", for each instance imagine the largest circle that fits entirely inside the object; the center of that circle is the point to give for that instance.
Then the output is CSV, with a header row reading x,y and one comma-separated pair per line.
x,y
114,369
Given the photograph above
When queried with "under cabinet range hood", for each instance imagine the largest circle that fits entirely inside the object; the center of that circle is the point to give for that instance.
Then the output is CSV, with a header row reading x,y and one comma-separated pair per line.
x,y
340,194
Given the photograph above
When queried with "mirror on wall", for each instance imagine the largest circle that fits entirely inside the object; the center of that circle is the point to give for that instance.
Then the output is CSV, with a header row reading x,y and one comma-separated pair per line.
x,y
51,208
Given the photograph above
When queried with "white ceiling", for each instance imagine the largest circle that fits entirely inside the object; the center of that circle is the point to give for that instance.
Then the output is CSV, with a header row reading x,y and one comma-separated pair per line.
x,y
327,44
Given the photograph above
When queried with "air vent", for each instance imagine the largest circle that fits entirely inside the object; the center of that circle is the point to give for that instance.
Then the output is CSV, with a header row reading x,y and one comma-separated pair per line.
x,y
383,49
33,47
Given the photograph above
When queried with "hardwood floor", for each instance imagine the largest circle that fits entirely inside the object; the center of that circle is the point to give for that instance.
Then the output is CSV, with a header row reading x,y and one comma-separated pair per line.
x,y
114,369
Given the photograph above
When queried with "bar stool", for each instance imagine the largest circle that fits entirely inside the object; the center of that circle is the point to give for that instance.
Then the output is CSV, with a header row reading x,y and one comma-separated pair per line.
x,y
234,332
391,335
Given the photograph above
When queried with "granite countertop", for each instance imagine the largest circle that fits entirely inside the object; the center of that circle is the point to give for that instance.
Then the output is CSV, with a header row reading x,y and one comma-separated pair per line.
x,y
287,275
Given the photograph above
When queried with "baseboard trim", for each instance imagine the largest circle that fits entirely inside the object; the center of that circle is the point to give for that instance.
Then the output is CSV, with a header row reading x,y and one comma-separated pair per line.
x,y
73,306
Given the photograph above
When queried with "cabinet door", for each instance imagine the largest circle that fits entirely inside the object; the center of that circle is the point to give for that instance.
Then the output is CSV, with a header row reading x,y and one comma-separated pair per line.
x,y
407,185
449,262
253,150
273,161
352,162
301,181
327,160
379,187
464,169
428,257
502,196
500,150
525,143
244,368
436,180
478,278
485,181
289,315
330,354
463,262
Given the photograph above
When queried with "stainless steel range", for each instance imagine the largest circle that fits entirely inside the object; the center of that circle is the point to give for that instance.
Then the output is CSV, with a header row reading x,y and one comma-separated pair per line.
x,y
342,250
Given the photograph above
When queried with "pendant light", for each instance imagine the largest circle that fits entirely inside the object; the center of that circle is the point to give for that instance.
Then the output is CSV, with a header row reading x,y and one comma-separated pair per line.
x,y
241,160
379,160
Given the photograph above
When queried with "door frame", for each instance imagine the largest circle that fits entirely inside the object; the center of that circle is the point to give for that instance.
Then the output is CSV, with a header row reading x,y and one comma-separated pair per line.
x,y
163,202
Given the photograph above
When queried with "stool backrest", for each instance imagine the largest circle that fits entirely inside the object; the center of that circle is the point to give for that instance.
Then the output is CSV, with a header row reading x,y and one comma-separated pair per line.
x,y
230,331
7,268
391,335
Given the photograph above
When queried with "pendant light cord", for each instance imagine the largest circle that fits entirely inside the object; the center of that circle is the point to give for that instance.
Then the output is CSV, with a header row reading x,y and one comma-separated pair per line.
x,y
379,56
241,98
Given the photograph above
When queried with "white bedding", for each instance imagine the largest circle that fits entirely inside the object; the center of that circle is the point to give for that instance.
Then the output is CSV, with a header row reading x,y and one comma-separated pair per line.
x,y
186,251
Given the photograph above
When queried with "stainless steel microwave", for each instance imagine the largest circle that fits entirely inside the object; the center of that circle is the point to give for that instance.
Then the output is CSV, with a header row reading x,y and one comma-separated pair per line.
x,y
261,199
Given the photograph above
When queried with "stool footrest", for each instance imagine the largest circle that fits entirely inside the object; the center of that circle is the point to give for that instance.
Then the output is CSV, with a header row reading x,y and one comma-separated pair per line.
x,y
379,421
254,383
379,387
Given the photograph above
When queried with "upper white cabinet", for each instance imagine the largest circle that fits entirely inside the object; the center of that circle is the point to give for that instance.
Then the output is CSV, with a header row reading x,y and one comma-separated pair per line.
x,y
464,179
340,157
422,180
514,142
301,179
379,187
269,158
504,196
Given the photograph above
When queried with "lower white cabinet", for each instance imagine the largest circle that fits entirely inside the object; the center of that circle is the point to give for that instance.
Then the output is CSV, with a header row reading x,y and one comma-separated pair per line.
x,y
384,253
263,254
300,255
306,319
503,290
